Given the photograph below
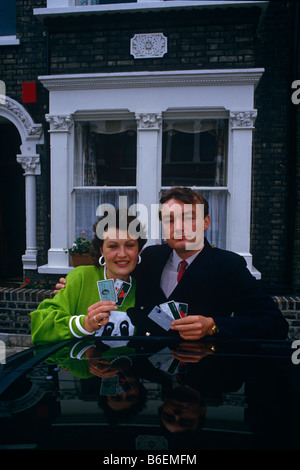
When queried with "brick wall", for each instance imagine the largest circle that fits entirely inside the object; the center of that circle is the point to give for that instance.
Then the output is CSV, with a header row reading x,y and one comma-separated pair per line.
x,y
196,40
272,209
296,228
16,305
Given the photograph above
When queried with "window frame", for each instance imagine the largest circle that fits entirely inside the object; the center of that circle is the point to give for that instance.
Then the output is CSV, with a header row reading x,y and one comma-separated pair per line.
x,y
11,38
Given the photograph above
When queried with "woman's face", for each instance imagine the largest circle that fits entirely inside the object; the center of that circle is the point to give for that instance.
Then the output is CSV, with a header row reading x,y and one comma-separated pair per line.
x,y
120,252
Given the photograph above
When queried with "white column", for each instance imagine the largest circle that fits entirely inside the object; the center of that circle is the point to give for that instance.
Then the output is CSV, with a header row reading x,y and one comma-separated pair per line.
x,y
58,259
31,166
239,182
149,167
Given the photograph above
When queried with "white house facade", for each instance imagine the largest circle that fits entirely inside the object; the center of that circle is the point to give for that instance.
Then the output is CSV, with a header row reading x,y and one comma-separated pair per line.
x,y
207,117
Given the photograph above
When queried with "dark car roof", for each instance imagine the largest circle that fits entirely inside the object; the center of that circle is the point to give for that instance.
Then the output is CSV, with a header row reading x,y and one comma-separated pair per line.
x,y
114,395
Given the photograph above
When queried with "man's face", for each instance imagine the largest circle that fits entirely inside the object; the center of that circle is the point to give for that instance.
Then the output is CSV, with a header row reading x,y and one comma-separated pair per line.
x,y
184,225
182,410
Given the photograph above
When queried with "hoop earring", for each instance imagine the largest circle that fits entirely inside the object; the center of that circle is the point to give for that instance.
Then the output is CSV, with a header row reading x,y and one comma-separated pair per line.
x,y
139,260
101,261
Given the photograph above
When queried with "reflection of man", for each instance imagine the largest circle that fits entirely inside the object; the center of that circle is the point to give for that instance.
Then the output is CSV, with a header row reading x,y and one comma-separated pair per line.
x,y
215,284
183,410
200,375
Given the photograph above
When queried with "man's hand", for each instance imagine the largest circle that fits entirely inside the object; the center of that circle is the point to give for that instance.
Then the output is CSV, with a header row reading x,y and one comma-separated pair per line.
x,y
193,327
192,351
60,285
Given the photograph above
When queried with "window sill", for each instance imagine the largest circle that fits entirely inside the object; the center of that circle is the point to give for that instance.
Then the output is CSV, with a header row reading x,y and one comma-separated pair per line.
x,y
47,269
9,41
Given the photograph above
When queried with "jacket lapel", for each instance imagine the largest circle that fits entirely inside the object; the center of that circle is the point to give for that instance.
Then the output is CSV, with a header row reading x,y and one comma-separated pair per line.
x,y
196,276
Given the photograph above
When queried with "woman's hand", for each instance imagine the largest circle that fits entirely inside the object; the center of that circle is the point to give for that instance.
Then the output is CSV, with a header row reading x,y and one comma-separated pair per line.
x,y
98,315
60,285
103,368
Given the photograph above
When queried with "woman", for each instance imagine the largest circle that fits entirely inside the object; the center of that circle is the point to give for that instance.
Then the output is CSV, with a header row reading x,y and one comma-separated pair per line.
x,y
76,311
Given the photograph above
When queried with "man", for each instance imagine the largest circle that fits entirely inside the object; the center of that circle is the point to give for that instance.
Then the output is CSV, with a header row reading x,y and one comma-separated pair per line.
x,y
223,298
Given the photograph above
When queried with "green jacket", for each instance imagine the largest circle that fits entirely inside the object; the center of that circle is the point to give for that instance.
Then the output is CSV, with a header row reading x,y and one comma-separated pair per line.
x,y
55,319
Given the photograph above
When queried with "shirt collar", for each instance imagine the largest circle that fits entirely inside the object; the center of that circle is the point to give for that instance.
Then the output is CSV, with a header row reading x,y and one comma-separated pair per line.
x,y
175,259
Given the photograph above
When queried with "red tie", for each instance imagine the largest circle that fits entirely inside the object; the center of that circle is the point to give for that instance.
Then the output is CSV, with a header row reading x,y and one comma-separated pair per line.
x,y
183,265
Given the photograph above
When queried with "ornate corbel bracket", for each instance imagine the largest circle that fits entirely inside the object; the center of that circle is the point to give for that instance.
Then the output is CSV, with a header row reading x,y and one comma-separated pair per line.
x,y
243,119
30,164
61,123
148,121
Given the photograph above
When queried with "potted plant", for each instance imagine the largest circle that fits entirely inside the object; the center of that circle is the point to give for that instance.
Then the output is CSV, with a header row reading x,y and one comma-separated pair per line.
x,y
80,251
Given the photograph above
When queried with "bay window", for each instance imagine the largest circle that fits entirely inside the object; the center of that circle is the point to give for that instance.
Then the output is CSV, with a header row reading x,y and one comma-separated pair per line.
x,y
153,130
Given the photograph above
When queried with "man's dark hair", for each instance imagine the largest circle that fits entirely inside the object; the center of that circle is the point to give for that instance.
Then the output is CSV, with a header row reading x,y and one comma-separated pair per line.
x,y
185,195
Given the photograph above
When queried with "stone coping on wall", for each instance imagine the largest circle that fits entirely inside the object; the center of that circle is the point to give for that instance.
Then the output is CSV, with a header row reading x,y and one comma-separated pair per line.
x,y
17,303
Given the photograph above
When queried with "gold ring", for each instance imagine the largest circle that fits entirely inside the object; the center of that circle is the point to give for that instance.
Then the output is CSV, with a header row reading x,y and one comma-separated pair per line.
x,y
99,324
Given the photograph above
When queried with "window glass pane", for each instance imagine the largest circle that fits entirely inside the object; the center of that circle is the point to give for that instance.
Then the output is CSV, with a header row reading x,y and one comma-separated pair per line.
x,y
217,201
87,202
7,17
194,152
108,154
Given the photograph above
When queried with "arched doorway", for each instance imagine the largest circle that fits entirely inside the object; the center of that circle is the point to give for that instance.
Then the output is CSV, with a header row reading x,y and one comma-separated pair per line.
x,y
12,204
19,137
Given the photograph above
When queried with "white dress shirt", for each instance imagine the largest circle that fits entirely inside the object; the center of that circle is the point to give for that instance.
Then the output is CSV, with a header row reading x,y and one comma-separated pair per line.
x,y
168,280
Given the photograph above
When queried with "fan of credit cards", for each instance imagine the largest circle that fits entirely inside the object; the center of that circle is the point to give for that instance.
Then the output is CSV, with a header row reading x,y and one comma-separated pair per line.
x,y
113,290
168,312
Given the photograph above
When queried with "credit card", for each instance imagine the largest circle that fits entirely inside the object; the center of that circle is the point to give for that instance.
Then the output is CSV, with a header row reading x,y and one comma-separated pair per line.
x,y
122,292
160,317
170,309
123,385
174,311
164,361
182,309
107,290
109,385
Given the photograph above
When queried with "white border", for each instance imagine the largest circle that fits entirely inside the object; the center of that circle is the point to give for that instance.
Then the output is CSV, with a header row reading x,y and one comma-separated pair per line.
x,y
9,41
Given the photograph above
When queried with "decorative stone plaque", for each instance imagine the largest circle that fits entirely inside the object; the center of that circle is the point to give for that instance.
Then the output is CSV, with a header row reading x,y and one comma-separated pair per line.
x,y
146,46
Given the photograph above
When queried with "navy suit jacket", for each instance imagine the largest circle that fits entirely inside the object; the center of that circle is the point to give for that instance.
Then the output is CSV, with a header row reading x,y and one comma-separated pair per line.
x,y
217,284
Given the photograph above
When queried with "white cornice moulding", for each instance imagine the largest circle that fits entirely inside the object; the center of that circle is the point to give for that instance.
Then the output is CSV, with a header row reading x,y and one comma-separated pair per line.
x,y
231,77
54,11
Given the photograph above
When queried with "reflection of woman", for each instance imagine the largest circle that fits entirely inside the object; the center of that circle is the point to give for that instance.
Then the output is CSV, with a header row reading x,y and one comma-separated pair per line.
x,y
126,404
122,401
76,310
